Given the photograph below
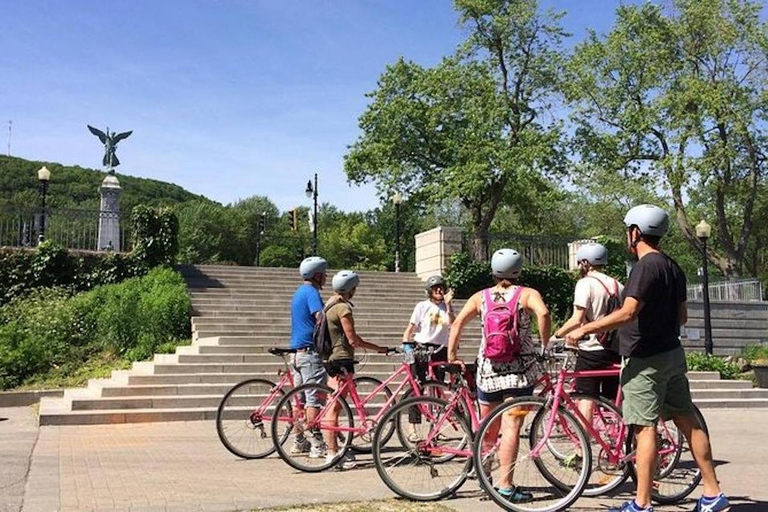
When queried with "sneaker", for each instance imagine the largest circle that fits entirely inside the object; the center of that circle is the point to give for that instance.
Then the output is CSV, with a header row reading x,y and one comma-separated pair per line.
x,y
515,494
717,504
300,445
347,460
317,451
414,437
631,506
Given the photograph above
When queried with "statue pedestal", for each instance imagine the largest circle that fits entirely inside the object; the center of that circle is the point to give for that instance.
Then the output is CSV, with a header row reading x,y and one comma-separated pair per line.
x,y
109,215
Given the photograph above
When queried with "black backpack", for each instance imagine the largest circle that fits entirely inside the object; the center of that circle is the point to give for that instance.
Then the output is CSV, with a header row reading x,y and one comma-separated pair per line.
x,y
610,339
321,336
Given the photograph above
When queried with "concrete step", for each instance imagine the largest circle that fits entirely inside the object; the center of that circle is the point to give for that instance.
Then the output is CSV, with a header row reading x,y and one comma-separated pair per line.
x,y
735,403
701,384
281,339
281,324
729,394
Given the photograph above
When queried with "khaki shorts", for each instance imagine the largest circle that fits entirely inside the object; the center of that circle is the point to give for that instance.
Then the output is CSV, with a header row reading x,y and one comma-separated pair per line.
x,y
655,387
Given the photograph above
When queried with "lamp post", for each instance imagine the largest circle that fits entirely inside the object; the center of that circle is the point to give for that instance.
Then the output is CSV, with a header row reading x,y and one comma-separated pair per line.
x,y
43,176
260,227
312,194
397,199
703,232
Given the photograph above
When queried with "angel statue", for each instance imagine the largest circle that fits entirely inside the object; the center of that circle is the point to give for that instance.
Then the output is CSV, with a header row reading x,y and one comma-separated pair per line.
x,y
110,141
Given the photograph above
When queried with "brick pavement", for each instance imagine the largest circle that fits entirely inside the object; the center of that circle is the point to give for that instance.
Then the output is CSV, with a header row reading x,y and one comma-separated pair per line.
x,y
182,466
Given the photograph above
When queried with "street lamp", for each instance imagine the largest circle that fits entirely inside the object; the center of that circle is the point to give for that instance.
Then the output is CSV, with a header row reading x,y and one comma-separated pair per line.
x,y
312,194
43,176
703,232
397,199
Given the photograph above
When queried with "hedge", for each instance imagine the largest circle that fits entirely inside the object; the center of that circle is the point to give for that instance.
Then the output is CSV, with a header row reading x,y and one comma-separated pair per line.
x,y
50,327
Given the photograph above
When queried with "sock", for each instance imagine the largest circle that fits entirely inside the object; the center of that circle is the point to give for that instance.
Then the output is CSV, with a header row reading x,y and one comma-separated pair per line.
x,y
709,499
638,507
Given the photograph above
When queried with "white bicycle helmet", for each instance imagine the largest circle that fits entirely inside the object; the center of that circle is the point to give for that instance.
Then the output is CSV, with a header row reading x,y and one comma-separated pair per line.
x,y
650,220
594,253
311,266
345,281
506,263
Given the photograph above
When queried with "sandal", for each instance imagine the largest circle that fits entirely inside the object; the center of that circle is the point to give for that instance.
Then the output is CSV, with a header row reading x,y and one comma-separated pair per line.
x,y
515,494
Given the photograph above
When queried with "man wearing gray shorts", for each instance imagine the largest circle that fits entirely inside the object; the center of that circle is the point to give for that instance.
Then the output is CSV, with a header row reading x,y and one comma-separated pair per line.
x,y
653,377
307,363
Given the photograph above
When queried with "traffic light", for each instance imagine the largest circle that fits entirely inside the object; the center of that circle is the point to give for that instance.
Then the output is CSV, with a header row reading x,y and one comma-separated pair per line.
x,y
292,219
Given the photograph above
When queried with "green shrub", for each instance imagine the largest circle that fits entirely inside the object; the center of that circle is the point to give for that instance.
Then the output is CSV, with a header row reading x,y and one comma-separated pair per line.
x,y
155,235
556,285
755,351
701,362
49,329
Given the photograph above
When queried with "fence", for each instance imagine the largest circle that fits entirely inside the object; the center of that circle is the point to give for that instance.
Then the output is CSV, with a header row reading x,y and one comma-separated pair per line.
x,y
537,250
70,228
741,290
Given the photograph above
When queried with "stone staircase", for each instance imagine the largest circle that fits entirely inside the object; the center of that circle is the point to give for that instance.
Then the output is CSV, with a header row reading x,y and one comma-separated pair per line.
x,y
239,313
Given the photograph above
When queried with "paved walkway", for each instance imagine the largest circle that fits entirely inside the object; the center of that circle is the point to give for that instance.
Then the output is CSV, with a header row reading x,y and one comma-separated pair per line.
x,y
182,466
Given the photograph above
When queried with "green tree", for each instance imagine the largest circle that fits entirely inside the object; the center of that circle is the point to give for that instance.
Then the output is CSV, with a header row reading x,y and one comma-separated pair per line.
x,y
473,128
677,100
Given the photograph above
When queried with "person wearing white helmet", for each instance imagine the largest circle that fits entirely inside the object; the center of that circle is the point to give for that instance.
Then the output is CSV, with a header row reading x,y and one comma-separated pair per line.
x,y
345,339
307,364
499,381
595,293
431,320
653,377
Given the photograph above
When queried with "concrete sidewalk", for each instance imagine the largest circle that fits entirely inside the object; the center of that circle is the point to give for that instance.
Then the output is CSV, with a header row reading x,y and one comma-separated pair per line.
x,y
182,466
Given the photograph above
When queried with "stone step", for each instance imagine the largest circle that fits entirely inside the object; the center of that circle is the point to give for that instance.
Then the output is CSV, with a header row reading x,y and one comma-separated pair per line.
x,y
212,378
281,339
735,403
265,358
283,324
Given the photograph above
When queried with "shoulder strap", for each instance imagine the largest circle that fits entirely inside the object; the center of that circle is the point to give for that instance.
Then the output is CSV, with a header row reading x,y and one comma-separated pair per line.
x,y
605,287
515,297
487,298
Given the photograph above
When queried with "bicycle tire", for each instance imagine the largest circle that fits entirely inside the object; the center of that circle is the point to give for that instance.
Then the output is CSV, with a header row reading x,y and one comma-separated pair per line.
x,y
242,429
688,479
289,413
363,443
607,421
546,497
444,477
433,389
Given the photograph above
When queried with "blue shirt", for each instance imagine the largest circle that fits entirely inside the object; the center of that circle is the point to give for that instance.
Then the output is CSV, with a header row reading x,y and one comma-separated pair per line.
x,y
306,302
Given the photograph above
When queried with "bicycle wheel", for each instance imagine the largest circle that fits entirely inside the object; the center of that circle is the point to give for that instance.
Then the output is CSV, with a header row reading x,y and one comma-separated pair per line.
x,y
677,474
362,443
503,458
606,474
244,418
419,472
291,413
404,424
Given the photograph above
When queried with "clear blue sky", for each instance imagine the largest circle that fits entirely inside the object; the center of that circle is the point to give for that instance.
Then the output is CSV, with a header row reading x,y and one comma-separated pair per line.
x,y
226,98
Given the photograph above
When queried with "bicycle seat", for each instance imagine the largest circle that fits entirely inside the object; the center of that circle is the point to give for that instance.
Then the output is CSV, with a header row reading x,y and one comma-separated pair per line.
x,y
450,367
281,351
341,362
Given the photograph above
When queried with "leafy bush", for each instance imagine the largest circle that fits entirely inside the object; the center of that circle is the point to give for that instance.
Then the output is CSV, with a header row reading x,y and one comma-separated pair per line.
x,y
556,285
755,351
50,266
155,235
701,362
49,329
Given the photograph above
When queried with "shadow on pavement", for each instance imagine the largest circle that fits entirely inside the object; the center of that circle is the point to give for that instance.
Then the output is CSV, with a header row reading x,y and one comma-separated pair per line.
x,y
745,504
3,419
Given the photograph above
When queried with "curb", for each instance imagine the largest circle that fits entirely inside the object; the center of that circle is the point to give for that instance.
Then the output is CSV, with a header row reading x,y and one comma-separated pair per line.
x,y
22,398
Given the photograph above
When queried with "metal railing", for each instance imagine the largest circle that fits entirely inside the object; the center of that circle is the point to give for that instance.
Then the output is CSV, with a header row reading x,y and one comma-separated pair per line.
x,y
70,228
739,290
537,250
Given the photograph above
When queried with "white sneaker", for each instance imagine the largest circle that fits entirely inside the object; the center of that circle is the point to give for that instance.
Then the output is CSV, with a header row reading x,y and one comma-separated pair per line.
x,y
300,446
347,461
318,451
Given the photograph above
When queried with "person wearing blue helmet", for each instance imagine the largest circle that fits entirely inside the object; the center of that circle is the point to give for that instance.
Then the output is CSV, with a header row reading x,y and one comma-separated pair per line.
x,y
653,377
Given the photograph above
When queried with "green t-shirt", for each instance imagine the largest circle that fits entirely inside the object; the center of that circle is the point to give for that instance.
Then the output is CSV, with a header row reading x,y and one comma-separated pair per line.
x,y
342,349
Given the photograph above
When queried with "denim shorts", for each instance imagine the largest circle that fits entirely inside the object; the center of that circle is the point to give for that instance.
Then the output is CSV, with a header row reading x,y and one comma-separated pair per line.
x,y
494,397
308,368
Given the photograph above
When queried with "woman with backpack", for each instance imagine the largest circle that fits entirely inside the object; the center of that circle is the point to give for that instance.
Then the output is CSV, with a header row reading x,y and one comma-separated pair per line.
x,y
505,310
